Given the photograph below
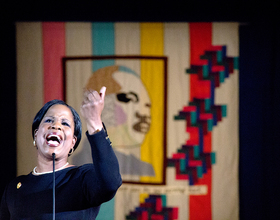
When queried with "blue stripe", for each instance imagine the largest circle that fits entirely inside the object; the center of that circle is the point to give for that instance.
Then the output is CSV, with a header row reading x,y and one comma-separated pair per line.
x,y
103,43
128,70
212,95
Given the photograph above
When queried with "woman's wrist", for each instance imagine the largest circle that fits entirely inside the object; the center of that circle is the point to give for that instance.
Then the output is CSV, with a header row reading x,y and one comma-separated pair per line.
x,y
93,129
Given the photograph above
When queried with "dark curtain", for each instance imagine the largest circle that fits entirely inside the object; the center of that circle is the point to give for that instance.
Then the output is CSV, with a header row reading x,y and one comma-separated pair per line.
x,y
8,104
259,121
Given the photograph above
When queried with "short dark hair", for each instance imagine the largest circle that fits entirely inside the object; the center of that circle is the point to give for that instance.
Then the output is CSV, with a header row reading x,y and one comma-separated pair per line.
x,y
41,113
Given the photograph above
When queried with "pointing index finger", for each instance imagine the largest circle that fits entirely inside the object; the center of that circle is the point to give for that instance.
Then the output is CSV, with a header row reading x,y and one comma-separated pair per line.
x,y
102,92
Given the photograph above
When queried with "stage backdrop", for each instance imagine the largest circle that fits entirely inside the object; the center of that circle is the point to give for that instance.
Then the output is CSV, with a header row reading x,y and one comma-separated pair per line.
x,y
171,108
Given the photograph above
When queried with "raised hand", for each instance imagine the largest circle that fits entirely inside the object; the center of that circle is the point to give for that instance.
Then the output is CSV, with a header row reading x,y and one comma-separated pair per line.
x,y
91,109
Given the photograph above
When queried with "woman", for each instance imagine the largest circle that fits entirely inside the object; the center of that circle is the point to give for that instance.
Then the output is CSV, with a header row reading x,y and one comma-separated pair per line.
x,y
79,191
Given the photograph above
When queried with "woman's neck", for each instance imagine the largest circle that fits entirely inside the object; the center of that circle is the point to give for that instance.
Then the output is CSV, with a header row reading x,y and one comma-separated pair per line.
x,y
44,166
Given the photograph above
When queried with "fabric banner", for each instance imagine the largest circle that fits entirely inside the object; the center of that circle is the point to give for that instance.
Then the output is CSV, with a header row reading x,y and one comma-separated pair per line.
x,y
171,108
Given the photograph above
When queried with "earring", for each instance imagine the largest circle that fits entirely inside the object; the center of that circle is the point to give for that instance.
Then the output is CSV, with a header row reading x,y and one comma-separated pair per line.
x,y
34,143
71,151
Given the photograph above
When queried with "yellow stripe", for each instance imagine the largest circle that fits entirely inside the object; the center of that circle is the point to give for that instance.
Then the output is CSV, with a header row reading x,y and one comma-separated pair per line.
x,y
153,78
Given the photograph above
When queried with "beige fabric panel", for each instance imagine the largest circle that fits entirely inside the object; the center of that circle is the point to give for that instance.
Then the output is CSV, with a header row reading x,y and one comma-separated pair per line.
x,y
177,48
127,42
225,142
29,90
78,43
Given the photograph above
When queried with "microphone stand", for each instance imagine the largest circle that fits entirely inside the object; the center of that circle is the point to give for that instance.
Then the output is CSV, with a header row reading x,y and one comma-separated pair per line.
x,y
53,156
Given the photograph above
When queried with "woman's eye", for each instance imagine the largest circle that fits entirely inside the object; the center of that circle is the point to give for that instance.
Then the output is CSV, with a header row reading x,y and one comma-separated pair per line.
x,y
65,124
48,120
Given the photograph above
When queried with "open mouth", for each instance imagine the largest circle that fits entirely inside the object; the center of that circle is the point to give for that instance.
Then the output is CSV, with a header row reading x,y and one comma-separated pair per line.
x,y
53,140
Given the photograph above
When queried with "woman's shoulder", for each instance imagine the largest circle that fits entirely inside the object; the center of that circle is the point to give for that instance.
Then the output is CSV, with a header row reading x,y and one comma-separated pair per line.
x,y
70,170
22,177
75,170
17,182
84,168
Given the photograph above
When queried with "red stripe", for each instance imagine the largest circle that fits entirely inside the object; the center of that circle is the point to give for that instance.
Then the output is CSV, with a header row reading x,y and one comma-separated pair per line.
x,y
207,140
182,176
175,213
200,62
158,205
194,136
200,206
189,109
195,163
205,116
53,51
179,156
144,215
200,40
217,68
215,48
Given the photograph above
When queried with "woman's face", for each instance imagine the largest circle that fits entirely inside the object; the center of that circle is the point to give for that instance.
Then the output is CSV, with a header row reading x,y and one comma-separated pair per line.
x,y
55,133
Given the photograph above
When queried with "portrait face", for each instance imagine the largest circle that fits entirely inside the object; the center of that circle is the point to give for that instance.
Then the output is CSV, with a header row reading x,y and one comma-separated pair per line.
x,y
127,111
55,133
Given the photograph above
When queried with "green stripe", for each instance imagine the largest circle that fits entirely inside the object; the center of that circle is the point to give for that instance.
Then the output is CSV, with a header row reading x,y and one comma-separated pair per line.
x,y
224,110
103,38
213,157
222,76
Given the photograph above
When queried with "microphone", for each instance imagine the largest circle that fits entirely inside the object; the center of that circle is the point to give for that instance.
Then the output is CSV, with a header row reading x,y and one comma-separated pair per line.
x,y
53,157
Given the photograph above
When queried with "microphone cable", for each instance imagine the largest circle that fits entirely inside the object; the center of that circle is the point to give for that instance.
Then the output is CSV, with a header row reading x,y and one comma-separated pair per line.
x,y
53,157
